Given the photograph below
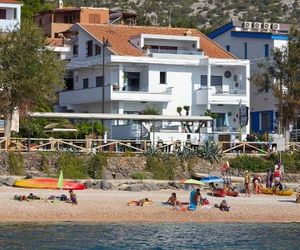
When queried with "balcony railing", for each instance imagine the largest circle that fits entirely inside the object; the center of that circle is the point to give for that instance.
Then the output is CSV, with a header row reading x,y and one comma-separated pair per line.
x,y
180,51
135,146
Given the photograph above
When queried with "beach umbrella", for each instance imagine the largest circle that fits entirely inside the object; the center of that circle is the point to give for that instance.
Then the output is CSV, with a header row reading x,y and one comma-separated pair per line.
x,y
60,182
226,120
193,182
211,178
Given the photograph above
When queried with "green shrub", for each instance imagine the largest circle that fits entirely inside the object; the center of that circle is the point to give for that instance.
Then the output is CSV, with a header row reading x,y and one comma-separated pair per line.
x,y
139,175
253,164
210,151
16,165
45,165
95,166
71,166
162,166
290,161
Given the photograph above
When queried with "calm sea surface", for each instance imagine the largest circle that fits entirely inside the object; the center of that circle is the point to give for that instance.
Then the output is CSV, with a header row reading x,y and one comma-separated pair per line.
x,y
149,236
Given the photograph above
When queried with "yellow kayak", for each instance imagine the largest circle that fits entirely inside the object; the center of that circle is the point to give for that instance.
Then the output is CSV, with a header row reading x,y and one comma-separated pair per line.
x,y
286,192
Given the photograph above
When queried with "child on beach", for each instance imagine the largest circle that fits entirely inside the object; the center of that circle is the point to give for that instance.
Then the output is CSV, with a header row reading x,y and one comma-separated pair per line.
x,y
73,197
223,206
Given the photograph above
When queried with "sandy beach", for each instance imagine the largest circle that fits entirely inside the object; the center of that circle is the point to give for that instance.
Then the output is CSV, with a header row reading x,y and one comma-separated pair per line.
x,y
111,206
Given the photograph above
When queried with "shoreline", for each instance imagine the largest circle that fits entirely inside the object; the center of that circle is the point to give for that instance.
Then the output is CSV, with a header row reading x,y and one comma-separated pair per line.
x,y
98,206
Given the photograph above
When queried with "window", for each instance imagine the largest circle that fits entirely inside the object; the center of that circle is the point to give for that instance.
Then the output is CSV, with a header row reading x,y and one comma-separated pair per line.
x,y
163,77
266,50
246,50
89,48
97,49
2,13
75,50
99,81
265,121
203,80
86,83
214,80
228,48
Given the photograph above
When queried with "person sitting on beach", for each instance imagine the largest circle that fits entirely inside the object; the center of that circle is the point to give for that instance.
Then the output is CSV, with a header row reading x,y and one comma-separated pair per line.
x,y
223,206
298,197
247,183
73,197
31,196
173,200
277,180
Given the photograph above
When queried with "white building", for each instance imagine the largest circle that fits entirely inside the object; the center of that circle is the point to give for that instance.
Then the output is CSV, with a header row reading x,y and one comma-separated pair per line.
x,y
10,14
255,41
157,67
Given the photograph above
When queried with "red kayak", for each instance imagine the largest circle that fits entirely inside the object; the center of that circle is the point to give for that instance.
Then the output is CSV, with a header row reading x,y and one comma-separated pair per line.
x,y
232,193
48,183
219,192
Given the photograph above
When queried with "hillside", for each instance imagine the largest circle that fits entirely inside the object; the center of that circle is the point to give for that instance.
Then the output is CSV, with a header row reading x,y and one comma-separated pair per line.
x,y
203,14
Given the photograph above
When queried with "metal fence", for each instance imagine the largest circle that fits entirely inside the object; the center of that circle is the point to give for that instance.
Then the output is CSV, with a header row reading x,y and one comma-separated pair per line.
x,y
134,146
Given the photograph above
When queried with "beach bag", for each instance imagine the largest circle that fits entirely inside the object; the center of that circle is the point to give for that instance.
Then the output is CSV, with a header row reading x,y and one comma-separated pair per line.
x,y
205,201
63,197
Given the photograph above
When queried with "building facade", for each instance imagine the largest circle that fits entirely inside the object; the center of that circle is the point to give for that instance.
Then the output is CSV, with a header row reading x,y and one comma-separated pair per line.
x,y
255,41
10,15
162,68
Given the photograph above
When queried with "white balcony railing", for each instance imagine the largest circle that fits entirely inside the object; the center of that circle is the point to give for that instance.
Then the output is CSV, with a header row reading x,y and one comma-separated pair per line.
x,y
90,95
220,96
8,25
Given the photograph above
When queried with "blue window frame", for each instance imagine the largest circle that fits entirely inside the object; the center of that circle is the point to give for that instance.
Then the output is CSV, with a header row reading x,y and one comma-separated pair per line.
x,y
228,48
246,50
266,50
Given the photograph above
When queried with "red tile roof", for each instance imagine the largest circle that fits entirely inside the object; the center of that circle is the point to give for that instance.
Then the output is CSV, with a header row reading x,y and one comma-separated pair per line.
x,y
119,36
56,42
10,1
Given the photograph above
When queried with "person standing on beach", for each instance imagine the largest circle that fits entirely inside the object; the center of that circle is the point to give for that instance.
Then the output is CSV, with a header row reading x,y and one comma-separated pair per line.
x,y
247,183
269,178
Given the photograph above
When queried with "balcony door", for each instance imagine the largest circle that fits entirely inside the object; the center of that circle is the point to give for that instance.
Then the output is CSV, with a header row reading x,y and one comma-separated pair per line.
x,y
133,81
2,13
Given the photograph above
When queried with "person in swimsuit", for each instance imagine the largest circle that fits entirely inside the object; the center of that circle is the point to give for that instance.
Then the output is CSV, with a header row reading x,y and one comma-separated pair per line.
x,y
247,183
173,200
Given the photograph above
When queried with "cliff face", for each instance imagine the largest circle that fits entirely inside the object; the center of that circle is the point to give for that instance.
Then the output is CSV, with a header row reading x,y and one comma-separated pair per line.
x,y
204,14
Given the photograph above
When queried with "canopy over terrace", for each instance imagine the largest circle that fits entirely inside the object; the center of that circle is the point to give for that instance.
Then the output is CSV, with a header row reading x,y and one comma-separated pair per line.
x,y
109,116
106,116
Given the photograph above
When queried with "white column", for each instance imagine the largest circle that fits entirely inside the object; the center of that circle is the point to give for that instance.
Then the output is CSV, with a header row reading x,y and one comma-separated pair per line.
x,y
19,15
121,76
208,84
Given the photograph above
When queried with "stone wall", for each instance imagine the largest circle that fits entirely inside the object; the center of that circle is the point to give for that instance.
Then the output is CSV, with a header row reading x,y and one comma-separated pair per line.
x,y
43,164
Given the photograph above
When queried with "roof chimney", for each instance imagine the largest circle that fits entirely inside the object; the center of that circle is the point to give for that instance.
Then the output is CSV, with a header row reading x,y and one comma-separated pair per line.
x,y
60,4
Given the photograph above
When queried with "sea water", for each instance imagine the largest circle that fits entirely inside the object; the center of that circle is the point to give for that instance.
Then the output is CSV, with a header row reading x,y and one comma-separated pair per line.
x,y
149,236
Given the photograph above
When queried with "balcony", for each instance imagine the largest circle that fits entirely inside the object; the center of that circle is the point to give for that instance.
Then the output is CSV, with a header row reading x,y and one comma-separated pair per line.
x,y
221,95
6,24
141,95
90,95
173,53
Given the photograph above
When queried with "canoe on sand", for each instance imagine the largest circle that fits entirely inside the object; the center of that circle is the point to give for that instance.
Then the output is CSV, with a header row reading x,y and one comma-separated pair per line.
x,y
286,192
48,183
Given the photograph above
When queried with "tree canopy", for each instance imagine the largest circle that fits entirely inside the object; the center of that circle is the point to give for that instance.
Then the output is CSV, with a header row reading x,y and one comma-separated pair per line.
x,y
30,73
281,74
